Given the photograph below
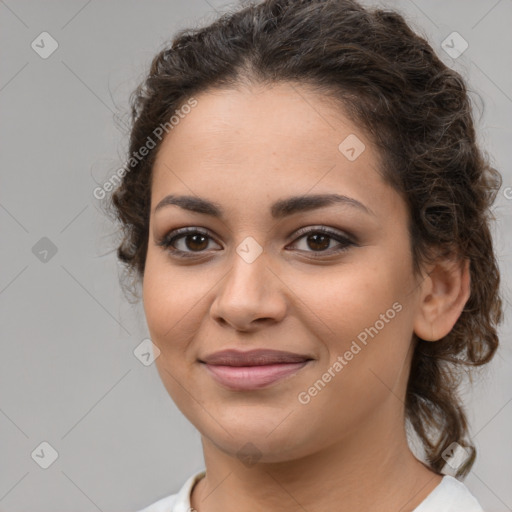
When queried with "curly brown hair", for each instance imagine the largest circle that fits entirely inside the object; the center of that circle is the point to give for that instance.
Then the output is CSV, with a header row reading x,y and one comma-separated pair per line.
x,y
417,111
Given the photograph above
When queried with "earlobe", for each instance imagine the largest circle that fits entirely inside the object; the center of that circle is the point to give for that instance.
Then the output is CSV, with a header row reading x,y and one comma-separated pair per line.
x,y
443,296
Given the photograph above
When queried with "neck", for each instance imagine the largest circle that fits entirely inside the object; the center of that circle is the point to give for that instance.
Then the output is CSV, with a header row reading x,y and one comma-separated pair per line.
x,y
369,469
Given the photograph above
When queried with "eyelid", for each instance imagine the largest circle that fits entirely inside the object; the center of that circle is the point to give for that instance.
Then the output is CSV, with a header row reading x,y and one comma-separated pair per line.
x,y
173,234
344,240
334,232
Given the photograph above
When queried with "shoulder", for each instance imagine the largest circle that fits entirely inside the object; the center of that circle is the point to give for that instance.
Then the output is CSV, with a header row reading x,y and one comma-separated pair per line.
x,y
179,502
163,505
450,495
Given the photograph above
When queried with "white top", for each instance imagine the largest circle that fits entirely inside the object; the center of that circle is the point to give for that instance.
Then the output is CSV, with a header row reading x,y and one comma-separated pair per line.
x,y
450,495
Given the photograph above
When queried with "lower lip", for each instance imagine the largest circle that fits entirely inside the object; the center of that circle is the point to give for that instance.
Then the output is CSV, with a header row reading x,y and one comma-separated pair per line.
x,y
245,378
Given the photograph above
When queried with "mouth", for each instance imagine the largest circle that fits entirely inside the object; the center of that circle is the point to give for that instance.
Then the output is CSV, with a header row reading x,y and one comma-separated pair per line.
x,y
255,369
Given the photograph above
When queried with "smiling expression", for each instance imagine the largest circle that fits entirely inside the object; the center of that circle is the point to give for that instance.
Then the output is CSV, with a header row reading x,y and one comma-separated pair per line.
x,y
291,246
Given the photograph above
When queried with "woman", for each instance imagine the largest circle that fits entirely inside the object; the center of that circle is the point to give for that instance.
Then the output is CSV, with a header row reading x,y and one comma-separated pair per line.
x,y
307,211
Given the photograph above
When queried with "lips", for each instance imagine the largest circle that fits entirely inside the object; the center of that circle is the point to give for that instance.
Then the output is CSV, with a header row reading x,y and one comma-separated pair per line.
x,y
257,357
254,369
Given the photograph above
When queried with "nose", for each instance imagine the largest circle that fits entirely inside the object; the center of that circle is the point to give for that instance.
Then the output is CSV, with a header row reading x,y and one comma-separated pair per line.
x,y
249,296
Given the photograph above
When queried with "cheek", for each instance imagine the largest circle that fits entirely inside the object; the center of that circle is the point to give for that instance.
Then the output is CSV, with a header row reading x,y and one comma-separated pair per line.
x,y
366,318
373,367
378,338
171,308
352,299
169,300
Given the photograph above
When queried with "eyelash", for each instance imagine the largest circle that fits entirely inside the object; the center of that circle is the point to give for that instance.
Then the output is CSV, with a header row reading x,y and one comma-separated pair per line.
x,y
168,240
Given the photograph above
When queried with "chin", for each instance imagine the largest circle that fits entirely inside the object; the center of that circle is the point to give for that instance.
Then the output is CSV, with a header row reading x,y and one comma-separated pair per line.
x,y
255,440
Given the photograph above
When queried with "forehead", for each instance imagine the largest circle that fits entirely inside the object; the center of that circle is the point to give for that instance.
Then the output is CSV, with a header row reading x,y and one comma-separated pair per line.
x,y
227,124
274,141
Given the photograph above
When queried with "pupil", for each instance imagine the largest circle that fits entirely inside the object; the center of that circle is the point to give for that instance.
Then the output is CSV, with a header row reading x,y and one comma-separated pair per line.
x,y
324,238
195,240
316,241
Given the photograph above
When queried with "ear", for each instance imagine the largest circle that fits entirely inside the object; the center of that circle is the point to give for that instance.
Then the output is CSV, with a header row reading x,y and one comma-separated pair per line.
x,y
443,295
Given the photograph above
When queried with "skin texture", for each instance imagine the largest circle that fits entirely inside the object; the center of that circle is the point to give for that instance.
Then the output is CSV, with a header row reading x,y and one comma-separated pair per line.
x,y
346,449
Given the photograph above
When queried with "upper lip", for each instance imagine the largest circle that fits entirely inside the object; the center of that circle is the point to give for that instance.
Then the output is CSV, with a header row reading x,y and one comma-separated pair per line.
x,y
257,357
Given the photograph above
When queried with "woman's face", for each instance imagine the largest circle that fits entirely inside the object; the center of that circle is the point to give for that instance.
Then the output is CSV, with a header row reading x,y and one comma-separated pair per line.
x,y
261,275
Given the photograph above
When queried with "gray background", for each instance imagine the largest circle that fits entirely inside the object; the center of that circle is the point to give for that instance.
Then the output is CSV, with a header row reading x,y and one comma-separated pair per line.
x,y
68,375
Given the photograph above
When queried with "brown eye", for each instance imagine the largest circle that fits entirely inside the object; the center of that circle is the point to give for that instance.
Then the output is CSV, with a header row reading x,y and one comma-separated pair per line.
x,y
196,242
318,240
185,242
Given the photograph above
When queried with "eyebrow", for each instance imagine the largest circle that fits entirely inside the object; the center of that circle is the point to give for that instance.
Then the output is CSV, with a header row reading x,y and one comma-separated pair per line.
x,y
280,209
